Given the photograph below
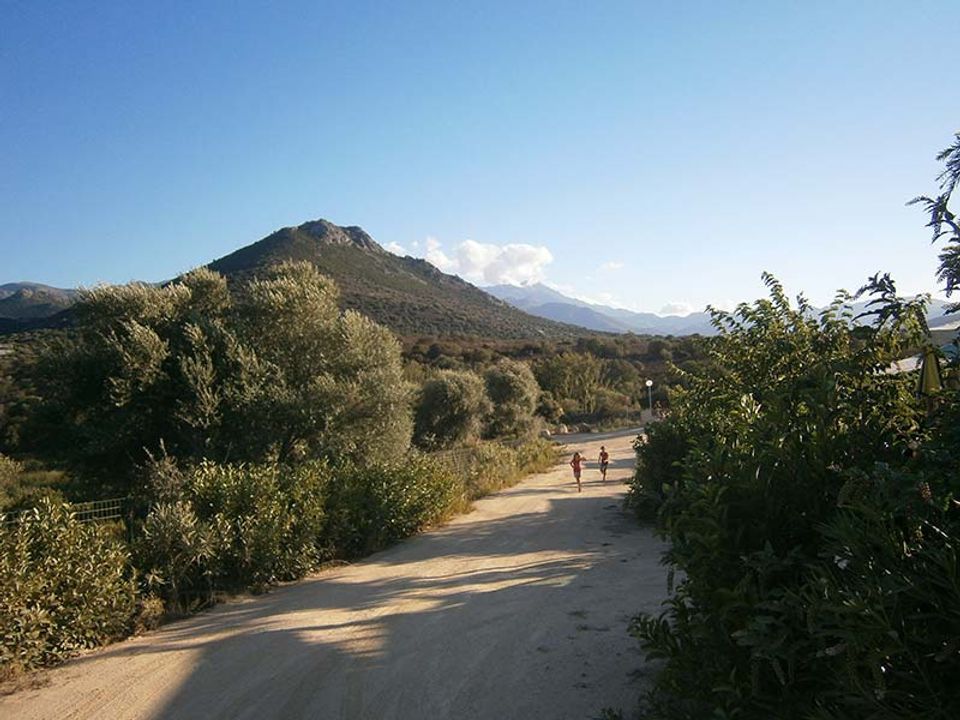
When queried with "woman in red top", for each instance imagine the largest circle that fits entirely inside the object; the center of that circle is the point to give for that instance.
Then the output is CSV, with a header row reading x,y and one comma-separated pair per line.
x,y
575,464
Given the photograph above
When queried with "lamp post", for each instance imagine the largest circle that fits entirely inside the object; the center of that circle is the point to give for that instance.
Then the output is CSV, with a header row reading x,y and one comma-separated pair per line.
x,y
649,384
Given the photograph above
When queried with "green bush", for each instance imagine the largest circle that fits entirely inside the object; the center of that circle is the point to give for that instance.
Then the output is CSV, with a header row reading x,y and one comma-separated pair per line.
x,y
236,527
514,392
487,467
816,578
64,586
659,457
266,370
247,526
177,553
451,409
374,506
492,467
883,607
252,515
10,471
536,456
22,487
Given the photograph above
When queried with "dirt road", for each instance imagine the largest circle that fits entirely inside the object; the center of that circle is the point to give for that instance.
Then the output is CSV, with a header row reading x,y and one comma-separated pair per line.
x,y
516,610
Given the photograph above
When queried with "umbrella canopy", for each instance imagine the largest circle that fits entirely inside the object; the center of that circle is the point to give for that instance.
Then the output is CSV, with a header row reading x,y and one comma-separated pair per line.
x,y
931,381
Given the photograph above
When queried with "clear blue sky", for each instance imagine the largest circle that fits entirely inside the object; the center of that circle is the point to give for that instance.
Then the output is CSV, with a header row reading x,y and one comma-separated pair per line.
x,y
684,146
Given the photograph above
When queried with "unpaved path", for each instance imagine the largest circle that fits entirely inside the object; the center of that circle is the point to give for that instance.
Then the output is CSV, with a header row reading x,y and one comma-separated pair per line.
x,y
516,610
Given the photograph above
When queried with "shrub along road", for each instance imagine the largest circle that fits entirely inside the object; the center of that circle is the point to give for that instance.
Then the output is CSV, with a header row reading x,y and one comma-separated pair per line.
x,y
516,610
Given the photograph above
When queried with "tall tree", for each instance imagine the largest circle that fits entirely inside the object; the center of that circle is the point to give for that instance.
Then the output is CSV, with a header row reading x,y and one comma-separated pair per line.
x,y
451,409
268,370
514,392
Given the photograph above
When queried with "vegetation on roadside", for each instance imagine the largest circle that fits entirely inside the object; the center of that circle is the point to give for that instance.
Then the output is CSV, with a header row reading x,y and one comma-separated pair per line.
x,y
269,371
811,504
256,433
451,409
64,586
597,381
211,529
489,467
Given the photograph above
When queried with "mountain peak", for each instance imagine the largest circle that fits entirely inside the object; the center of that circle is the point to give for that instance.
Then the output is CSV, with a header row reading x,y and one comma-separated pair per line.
x,y
328,233
307,241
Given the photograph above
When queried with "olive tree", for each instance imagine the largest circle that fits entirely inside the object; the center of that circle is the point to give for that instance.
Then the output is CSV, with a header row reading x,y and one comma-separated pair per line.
x,y
267,369
573,379
514,392
451,409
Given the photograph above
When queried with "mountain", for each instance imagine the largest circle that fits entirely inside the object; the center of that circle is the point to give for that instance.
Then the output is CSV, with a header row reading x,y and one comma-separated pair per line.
x,y
406,294
32,301
581,315
538,299
532,296
936,318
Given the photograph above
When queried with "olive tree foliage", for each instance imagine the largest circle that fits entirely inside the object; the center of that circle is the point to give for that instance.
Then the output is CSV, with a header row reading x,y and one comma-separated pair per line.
x,y
944,222
267,370
336,386
451,409
573,379
514,392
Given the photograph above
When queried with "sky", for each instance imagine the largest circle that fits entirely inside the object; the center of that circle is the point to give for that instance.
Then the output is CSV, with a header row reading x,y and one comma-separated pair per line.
x,y
655,156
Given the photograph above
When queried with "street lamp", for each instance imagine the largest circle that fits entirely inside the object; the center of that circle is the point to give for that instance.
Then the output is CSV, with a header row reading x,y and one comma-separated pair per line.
x,y
650,397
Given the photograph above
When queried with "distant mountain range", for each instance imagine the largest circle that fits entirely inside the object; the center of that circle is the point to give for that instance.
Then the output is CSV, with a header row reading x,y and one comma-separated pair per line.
x,y
538,299
26,305
407,294
26,300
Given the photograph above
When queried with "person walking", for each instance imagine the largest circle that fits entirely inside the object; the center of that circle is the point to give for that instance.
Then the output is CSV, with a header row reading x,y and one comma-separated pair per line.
x,y
604,462
575,463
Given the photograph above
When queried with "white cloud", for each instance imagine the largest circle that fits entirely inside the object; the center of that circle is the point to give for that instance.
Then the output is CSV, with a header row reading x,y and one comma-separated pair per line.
x,y
611,266
512,264
436,256
676,308
395,248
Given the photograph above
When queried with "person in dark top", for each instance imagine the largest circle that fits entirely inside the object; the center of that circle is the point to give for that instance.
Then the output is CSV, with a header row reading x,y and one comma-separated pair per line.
x,y
604,462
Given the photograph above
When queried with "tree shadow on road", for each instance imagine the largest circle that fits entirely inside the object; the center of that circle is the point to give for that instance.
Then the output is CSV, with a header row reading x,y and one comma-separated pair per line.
x,y
477,619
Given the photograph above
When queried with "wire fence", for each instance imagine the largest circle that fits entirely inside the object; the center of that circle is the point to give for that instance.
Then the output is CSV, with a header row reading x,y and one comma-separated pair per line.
x,y
91,511
467,463
460,461
457,461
